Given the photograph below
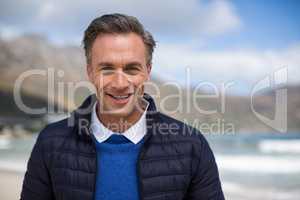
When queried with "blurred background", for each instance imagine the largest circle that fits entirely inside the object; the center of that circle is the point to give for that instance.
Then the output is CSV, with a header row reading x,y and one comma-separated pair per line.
x,y
239,58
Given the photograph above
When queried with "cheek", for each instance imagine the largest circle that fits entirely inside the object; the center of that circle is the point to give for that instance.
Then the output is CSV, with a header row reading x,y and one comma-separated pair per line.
x,y
101,81
139,81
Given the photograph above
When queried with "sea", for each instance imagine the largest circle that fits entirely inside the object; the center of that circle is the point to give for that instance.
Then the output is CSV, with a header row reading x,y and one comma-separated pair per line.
x,y
260,166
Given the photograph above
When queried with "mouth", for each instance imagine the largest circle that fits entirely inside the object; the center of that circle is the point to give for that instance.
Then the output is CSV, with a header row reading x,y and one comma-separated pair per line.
x,y
120,99
125,96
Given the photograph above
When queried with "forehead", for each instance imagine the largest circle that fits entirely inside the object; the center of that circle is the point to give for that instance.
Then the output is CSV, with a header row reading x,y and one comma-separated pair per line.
x,y
118,46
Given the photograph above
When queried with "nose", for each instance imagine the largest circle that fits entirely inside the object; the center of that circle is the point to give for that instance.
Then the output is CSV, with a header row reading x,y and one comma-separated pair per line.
x,y
120,81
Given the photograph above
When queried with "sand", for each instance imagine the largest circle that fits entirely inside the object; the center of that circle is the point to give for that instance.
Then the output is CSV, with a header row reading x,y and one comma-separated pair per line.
x,y
10,185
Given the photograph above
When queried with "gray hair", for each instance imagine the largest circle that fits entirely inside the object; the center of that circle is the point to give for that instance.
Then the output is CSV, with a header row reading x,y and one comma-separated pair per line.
x,y
116,24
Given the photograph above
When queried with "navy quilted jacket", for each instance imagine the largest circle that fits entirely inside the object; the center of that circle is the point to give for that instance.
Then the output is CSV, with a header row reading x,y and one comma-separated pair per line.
x,y
175,162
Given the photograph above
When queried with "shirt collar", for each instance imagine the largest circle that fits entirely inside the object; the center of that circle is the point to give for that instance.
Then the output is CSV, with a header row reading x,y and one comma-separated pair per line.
x,y
135,133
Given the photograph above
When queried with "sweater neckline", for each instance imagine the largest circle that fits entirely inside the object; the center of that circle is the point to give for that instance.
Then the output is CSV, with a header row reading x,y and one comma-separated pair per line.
x,y
118,143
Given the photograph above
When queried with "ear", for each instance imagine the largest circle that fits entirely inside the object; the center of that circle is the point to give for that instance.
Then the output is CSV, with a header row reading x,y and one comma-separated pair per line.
x,y
90,73
149,67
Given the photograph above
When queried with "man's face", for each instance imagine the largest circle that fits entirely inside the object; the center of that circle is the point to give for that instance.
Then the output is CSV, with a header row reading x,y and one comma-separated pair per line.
x,y
118,69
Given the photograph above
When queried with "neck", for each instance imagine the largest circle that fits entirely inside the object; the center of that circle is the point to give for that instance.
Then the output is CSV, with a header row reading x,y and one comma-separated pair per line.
x,y
119,123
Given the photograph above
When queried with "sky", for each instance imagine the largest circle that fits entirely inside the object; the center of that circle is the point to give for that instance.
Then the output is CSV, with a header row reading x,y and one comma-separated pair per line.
x,y
215,41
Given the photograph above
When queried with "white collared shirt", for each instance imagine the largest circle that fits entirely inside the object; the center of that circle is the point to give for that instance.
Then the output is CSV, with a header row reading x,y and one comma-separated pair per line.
x,y
135,133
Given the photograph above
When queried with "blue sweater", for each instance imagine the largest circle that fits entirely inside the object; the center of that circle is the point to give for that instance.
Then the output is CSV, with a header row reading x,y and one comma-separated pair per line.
x,y
116,172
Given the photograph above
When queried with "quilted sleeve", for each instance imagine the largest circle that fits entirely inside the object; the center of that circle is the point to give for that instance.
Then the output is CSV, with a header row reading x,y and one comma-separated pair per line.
x,y
37,182
205,183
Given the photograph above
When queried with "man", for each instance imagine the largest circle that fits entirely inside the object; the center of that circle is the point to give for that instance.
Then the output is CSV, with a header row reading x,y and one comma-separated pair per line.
x,y
119,146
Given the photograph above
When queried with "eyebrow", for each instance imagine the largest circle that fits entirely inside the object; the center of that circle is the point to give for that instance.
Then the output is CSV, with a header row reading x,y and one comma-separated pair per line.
x,y
106,64
128,65
132,64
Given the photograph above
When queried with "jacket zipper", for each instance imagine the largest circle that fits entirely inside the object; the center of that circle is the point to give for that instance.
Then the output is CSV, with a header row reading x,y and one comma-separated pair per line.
x,y
140,186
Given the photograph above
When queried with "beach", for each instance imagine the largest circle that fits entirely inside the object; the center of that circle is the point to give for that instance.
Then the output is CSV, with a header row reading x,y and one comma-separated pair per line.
x,y
10,184
250,166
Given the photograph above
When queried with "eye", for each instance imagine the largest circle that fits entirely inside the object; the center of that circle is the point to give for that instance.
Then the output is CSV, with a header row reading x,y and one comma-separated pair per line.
x,y
132,70
107,70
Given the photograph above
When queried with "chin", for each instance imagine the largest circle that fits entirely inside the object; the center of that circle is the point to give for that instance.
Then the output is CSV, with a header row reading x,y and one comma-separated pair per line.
x,y
120,112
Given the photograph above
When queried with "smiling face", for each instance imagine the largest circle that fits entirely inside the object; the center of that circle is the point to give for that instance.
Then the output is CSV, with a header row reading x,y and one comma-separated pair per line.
x,y
118,69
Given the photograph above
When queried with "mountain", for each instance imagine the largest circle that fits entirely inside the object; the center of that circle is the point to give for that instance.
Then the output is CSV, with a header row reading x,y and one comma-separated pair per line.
x,y
32,61
35,59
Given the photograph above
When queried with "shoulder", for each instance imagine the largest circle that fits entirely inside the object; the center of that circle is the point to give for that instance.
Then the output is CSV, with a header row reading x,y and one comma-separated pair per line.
x,y
180,137
60,128
54,134
176,130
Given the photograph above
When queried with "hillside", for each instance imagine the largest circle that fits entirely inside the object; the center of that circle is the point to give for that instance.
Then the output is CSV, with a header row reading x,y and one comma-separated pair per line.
x,y
33,52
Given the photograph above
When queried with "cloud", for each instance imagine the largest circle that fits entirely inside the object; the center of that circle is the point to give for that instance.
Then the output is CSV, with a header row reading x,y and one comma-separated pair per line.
x,y
241,65
187,21
68,18
8,32
47,11
222,18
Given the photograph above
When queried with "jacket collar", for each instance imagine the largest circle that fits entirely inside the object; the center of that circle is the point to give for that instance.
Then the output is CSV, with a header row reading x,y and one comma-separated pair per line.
x,y
82,116
135,133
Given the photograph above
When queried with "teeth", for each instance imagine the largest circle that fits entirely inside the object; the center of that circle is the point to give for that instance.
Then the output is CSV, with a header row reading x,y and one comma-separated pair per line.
x,y
121,97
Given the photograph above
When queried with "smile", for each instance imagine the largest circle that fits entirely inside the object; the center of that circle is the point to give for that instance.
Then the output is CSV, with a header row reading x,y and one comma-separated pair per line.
x,y
119,99
119,96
